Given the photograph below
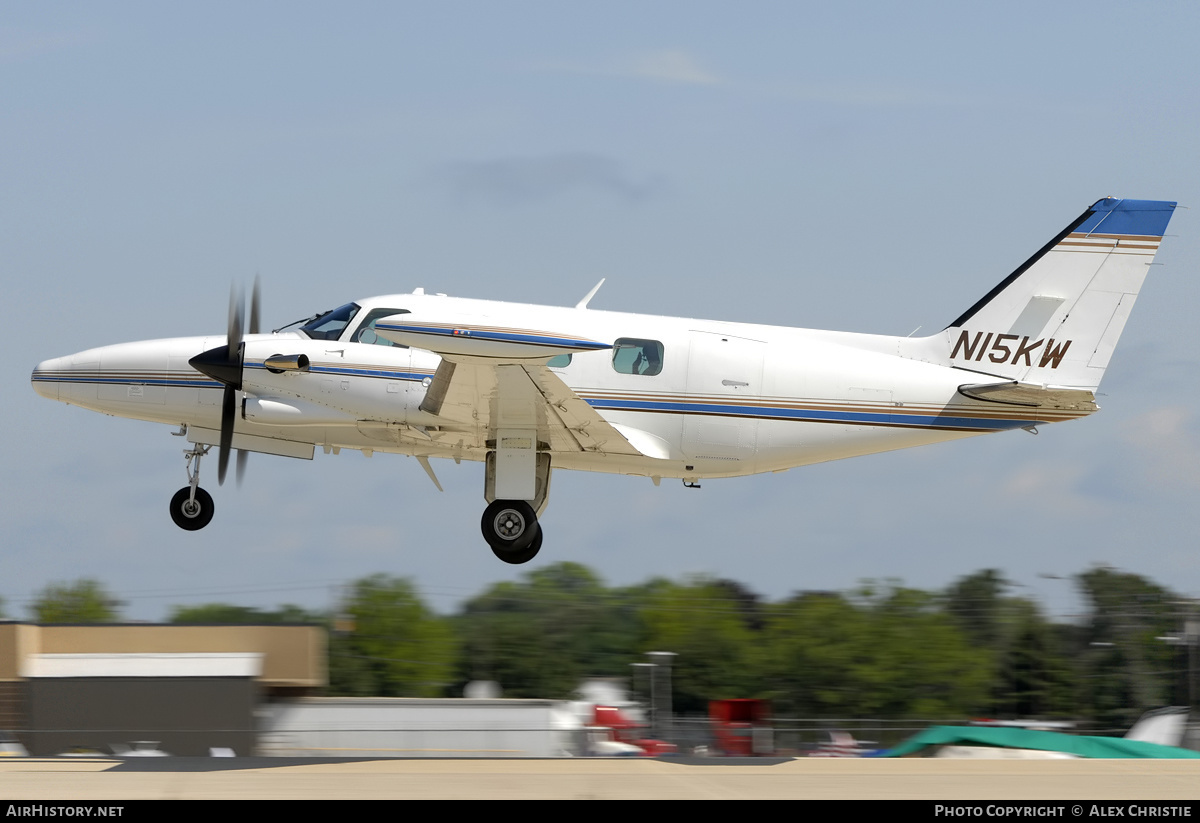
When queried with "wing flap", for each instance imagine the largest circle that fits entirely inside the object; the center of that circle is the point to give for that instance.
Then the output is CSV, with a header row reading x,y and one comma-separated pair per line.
x,y
479,398
579,421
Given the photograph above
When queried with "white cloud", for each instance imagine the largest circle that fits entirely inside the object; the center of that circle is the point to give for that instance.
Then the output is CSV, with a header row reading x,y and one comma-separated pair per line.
x,y
663,66
868,94
1168,447
537,178
671,66
1051,486
19,44
676,66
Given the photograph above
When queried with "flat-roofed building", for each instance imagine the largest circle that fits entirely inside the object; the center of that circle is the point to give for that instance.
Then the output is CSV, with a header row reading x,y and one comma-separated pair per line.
x,y
188,688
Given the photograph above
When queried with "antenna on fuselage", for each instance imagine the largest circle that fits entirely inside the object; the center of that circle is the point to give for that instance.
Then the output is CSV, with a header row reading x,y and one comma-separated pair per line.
x,y
582,304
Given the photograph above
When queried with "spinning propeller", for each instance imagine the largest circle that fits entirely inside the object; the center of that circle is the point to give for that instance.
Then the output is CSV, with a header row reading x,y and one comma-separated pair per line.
x,y
224,364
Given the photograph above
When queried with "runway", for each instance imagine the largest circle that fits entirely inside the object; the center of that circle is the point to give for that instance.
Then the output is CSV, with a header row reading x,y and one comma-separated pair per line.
x,y
596,779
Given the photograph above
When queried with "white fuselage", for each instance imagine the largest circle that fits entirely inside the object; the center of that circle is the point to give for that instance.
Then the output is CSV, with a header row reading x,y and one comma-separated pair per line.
x,y
725,399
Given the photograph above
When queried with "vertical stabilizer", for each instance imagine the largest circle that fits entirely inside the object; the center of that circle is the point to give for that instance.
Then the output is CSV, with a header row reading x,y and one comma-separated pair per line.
x,y
1055,320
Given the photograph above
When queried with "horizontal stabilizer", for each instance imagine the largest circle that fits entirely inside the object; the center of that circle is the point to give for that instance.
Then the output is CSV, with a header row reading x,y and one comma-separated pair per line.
x,y
1025,394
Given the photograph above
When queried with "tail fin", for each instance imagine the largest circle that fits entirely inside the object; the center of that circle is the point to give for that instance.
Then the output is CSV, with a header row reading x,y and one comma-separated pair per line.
x,y
1056,319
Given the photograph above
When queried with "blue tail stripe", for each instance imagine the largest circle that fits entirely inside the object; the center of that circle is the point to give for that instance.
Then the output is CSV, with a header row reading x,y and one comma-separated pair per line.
x,y
1145,217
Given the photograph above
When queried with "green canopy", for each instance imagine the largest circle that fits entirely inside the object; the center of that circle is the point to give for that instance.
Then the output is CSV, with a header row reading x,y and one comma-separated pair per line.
x,y
1008,737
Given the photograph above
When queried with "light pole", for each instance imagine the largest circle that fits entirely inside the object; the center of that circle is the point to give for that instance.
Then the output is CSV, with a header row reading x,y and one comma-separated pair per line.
x,y
660,693
648,719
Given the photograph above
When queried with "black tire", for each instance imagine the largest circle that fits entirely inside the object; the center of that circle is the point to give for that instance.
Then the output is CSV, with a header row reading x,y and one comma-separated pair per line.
x,y
509,525
192,515
519,556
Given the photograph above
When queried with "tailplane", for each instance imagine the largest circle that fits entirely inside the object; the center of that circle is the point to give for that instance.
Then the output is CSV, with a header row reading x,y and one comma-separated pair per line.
x,y
1055,320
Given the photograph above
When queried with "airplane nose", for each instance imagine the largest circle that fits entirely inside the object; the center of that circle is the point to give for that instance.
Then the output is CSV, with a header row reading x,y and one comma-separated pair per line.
x,y
48,375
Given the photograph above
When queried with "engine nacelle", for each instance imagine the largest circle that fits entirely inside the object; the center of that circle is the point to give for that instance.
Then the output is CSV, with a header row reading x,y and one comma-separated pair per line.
x,y
274,411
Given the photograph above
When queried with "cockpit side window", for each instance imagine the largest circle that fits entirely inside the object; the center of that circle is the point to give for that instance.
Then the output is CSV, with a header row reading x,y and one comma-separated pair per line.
x,y
331,324
634,356
366,331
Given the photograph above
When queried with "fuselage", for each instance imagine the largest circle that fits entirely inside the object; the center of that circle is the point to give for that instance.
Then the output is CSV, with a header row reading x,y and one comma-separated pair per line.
x,y
697,398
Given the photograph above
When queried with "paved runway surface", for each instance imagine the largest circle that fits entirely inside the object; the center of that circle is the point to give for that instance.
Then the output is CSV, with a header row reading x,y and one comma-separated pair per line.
x,y
295,779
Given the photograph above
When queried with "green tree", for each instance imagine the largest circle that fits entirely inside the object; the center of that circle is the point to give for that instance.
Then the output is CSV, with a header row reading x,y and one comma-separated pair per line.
x,y
84,601
706,623
1027,660
395,647
888,652
976,602
542,636
813,645
1034,676
1128,669
226,614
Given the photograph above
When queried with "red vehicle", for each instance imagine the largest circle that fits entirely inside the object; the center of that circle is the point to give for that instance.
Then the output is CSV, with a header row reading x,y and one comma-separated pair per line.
x,y
622,730
742,727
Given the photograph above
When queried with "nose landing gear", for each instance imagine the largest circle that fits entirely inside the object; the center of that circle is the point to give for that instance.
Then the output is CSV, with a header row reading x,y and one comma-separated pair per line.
x,y
192,507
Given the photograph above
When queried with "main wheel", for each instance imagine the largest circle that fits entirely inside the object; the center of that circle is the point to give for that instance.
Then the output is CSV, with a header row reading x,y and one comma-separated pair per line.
x,y
519,556
509,525
191,514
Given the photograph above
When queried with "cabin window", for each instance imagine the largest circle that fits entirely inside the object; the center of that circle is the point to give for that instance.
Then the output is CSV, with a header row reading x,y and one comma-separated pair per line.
x,y
559,361
634,356
366,332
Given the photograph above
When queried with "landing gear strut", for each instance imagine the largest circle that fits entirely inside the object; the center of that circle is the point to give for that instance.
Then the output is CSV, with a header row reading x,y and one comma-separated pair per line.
x,y
192,507
511,528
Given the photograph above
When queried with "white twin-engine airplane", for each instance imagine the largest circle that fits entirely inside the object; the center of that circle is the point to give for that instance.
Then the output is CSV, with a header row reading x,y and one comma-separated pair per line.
x,y
524,389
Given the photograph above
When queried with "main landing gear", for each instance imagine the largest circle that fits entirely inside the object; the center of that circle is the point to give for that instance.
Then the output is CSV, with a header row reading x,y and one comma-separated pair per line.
x,y
516,492
192,507
511,528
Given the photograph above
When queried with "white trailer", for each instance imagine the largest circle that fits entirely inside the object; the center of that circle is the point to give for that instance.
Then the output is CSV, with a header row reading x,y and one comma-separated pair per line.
x,y
417,727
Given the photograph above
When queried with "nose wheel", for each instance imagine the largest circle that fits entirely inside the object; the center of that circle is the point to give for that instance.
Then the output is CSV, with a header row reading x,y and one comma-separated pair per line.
x,y
511,528
191,512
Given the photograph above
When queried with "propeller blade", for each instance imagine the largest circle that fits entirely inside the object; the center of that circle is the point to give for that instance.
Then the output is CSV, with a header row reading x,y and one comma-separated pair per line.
x,y
224,364
234,332
228,409
253,329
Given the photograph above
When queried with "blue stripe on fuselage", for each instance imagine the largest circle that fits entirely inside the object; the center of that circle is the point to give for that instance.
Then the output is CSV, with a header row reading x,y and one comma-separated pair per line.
x,y
129,381
350,372
923,421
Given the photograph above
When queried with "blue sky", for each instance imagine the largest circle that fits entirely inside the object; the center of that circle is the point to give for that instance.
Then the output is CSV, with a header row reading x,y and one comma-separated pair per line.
x,y
871,167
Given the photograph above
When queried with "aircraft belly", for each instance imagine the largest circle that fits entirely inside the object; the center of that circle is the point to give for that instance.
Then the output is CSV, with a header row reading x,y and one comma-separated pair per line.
x,y
787,444
665,427
155,404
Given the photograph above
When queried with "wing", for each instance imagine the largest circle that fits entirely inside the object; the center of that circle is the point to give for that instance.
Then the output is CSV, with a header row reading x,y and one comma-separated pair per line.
x,y
481,398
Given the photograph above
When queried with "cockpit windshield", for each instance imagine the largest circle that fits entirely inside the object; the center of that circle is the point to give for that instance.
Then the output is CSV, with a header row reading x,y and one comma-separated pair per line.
x,y
331,324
